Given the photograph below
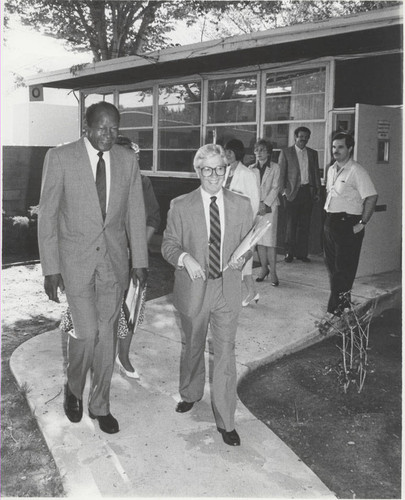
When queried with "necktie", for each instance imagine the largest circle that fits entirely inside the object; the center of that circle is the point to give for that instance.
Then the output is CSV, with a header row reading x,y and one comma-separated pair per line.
x,y
101,184
228,181
215,240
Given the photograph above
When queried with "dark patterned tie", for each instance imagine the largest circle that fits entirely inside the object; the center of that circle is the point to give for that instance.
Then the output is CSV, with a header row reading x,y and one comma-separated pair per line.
x,y
215,240
101,184
228,181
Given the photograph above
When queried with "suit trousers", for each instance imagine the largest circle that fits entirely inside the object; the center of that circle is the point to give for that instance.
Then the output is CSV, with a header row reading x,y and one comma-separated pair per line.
x,y
223,322
298,213
95,312
342,253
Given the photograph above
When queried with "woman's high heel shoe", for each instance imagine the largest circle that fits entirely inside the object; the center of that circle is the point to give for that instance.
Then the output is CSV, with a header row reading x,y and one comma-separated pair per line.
x,y
259,279
248,300
133,374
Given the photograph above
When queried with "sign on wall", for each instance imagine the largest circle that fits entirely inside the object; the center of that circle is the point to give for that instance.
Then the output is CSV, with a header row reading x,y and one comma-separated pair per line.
x,y
36,92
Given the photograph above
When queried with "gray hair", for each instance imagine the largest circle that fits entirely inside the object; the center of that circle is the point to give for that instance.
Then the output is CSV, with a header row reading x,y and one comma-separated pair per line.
x,y
207,151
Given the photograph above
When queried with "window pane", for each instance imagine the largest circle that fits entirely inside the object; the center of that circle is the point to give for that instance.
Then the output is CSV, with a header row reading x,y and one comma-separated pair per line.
x,y
222,134
180,105
282,135
95,98
136,108
144,138
176,161
296,96
232,100
179,138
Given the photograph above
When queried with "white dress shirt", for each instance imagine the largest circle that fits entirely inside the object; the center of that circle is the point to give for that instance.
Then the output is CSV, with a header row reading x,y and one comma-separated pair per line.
x,y
302,155
206,199
348,188
93,157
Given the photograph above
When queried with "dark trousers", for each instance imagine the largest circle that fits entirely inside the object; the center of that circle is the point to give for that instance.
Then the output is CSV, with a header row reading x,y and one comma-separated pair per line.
x,y
342,252
298,213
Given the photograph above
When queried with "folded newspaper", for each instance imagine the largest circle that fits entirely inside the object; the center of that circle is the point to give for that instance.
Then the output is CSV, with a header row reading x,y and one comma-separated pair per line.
x,y
133,304
260,226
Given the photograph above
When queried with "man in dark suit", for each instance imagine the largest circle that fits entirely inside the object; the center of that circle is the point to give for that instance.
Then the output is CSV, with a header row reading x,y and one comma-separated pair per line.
x,y
91,212
301,187
203,229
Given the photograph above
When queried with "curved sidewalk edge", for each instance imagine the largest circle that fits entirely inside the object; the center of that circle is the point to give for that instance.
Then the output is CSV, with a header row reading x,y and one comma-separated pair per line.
x,y
160,453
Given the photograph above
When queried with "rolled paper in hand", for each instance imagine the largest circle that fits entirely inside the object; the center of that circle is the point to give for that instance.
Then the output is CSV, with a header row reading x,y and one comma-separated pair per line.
x,y
260,226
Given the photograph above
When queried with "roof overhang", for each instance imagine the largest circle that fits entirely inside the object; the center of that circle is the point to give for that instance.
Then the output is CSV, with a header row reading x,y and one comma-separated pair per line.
x,y
374,31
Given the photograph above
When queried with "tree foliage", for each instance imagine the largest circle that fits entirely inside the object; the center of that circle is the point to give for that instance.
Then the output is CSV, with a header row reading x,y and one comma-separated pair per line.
x,y
111,29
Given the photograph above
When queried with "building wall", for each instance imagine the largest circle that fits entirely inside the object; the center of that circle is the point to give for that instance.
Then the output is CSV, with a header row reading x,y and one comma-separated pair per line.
x,y
22,171
41,124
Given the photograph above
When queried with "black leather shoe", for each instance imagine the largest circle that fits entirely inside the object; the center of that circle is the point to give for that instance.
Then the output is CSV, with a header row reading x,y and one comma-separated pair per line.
x,y
232,437
304,259
183,407
107,423
288,258
73,406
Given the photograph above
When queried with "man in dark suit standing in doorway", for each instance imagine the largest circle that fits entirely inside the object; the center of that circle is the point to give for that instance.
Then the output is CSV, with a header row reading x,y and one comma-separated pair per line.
x,y
301,187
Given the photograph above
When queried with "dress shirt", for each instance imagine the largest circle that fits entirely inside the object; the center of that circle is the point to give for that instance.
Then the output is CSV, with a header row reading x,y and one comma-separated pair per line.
x,y
93,157
206,199
302,155
348,188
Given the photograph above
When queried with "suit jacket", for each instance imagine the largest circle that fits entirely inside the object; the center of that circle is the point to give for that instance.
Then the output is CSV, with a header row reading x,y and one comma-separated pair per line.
x,y
186,231
270,184
71,231
245,182
291,173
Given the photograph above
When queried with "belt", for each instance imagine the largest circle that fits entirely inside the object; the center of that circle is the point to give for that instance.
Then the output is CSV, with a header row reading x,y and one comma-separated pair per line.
x,y
342,216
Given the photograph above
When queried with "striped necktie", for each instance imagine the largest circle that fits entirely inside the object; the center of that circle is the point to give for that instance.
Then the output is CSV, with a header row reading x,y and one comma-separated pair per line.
x,y
215,241
101,184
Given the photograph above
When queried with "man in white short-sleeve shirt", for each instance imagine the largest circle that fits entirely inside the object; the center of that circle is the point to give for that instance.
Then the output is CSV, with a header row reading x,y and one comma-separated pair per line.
x,y
350,203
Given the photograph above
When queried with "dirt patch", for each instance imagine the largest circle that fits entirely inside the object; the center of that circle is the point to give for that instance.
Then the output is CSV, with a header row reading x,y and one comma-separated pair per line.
x,y
27,466
351,441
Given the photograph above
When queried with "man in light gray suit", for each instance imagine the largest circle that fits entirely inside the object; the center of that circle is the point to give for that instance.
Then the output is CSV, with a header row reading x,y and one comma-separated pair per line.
x,y
301,187
91,212
203,229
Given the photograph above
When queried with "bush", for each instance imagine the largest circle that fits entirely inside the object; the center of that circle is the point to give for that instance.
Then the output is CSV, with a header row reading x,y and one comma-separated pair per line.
x,y
19,234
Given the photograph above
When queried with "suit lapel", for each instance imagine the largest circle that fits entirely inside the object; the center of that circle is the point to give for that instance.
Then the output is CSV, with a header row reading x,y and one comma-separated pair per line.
x,y
85,173
114,183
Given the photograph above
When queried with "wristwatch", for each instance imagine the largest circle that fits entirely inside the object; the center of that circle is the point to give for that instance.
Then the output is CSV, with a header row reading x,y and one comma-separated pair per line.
x,y
361,221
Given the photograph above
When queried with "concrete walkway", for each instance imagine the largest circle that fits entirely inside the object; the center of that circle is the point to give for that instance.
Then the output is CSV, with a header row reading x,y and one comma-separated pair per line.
x,y
161,453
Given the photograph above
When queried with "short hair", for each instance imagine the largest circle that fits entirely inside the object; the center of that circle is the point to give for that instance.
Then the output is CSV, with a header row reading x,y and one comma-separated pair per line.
x,y
206,152
92,111
267,144
348,138
122,140
302,129
237,147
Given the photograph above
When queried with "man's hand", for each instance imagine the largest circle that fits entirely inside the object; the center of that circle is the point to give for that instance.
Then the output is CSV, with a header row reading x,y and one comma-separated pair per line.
x,y
140,274
195,271
357,228
239,263
51,284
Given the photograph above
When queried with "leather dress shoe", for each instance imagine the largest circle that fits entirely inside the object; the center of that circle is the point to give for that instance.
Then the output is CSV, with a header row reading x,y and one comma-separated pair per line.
x,y
107,423
304,259
73,406
183,407
288,258
232,437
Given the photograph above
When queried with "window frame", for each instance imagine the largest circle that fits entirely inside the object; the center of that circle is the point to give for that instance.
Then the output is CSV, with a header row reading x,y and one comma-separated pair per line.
x,y
260,72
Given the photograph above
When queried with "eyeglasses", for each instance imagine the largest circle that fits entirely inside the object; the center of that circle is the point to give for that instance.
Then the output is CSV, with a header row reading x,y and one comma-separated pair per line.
x,y
208,171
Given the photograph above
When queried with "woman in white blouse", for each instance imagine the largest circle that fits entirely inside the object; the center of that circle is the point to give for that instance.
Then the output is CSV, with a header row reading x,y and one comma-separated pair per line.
x,y
240,179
